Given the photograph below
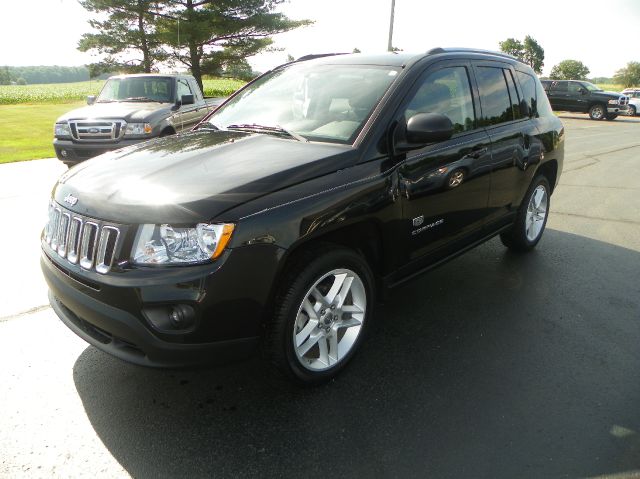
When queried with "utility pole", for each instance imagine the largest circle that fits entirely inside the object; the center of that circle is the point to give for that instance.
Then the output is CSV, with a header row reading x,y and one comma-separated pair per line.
x,y
390,45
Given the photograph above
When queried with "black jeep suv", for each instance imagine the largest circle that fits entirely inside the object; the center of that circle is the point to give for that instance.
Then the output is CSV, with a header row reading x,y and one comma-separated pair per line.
x,y
279,219
585,97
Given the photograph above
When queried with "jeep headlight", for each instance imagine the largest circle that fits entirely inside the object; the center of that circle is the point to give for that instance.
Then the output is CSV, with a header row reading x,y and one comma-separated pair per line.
x,y
138,129
166,244
61,130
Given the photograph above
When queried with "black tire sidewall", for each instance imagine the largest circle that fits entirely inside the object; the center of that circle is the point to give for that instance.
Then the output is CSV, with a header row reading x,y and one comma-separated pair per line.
x,y
298,285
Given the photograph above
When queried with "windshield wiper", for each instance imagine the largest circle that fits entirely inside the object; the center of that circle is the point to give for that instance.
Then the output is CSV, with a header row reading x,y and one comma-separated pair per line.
x,y
278,130
141,98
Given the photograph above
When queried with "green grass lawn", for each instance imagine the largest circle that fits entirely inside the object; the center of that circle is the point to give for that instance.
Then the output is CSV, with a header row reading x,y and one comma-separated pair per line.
x,y
26,131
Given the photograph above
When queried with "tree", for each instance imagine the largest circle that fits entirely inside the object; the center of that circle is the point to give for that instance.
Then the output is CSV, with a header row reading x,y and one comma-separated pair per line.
x,y
629,75
512,47
127,30
209,35
569,70
529,51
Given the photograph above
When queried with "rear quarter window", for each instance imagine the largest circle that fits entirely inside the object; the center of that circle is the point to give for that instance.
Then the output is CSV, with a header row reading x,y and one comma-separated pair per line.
x,y
528,86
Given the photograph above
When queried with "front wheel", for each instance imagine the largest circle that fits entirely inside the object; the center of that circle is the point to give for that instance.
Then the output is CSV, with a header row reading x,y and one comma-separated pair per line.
x,y
597,111
531,218
321,314
632,110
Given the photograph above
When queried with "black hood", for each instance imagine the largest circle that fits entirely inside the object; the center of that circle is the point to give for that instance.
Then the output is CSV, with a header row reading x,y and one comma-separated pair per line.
x,y
193,177
131,112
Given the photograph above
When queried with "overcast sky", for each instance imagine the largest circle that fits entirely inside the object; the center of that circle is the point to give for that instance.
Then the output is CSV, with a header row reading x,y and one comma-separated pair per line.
x,y
603,35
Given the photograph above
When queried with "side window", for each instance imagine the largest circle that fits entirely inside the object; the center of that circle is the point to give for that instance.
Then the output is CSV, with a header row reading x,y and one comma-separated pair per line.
x,y
559,86
448,92
513,95
528,85
196,91
494,96
574,87
183,88
543,107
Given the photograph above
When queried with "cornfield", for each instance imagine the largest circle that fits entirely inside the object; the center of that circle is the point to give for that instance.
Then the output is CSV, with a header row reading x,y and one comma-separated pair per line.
x,y
71,92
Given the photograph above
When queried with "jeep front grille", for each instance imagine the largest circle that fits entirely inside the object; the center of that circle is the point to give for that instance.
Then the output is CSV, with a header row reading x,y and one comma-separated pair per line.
x,y
82,240
97,130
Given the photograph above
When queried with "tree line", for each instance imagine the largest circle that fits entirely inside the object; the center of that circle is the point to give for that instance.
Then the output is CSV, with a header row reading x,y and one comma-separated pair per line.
x,y
42,74
530,52
204,36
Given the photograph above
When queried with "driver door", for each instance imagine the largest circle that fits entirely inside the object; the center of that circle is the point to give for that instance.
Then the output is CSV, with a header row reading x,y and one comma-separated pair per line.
x,y
445,186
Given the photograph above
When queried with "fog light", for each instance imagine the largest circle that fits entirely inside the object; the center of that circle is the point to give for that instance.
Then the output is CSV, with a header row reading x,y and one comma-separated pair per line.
x,y
182,316
64,153
171,317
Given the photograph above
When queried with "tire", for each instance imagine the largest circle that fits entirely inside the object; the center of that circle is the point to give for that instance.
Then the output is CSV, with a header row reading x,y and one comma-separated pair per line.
x,y
632,110
531,218
167,132
320,315
611,116
597,111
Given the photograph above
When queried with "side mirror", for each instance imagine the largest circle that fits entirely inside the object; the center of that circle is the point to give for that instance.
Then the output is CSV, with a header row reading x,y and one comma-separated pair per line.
x,y
91,99
424,128
583,91
187,100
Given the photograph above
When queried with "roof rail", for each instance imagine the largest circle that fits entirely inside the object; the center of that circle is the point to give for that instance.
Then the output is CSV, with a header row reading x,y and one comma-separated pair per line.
x,y
317,55
435,51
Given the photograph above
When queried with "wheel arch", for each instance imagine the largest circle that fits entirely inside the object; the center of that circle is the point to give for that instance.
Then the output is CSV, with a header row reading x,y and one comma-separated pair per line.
x,y
550,170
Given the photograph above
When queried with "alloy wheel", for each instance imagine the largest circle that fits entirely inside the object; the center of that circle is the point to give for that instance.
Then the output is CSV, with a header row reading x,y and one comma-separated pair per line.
x,y
329,320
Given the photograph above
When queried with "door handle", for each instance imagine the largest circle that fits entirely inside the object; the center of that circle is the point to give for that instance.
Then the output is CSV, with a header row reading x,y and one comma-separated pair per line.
x,y
477,152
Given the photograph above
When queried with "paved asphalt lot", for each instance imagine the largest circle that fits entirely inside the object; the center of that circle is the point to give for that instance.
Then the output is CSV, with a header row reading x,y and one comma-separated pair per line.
x,y
493,366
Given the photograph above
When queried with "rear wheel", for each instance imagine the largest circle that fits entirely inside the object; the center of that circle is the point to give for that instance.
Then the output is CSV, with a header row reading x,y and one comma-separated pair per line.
x,y
320,315
597,111
531,218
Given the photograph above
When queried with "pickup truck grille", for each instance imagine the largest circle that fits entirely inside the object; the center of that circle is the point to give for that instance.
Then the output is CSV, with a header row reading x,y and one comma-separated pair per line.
x,y
80,239
97,130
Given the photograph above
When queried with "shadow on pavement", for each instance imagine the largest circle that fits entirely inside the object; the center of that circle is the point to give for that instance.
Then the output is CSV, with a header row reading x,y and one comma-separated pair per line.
x,y
494,365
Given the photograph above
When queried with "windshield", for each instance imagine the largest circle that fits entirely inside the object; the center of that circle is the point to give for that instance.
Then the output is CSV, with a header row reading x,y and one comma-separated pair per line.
x,y
317,102
156,89
591,86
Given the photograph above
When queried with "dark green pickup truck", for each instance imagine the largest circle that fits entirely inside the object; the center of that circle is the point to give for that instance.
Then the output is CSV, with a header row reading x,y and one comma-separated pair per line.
x,y
130,109
585,97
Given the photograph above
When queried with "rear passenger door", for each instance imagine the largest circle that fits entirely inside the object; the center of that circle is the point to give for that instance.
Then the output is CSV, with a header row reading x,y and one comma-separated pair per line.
x,y
557,94
445,185
511,134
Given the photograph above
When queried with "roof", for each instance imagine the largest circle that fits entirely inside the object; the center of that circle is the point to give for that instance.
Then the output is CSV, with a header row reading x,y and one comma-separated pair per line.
x,y
396,59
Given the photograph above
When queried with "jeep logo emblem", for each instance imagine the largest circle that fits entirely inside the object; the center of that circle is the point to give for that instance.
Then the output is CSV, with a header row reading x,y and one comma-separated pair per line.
x,y
72,200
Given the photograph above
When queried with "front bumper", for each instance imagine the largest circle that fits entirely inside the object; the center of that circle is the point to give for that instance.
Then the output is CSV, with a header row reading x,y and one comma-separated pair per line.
x,y
108,311
618,109
71,152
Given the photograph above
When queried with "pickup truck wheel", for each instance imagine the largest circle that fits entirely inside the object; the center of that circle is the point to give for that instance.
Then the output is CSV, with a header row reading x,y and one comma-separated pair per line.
x,y
632,110
531,218
597,111
320,315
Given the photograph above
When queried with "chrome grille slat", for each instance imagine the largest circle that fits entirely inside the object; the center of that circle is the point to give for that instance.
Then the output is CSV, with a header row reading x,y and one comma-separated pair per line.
x,y
63,233
104,256
82,240
74,239
57,216
88,244
97,130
